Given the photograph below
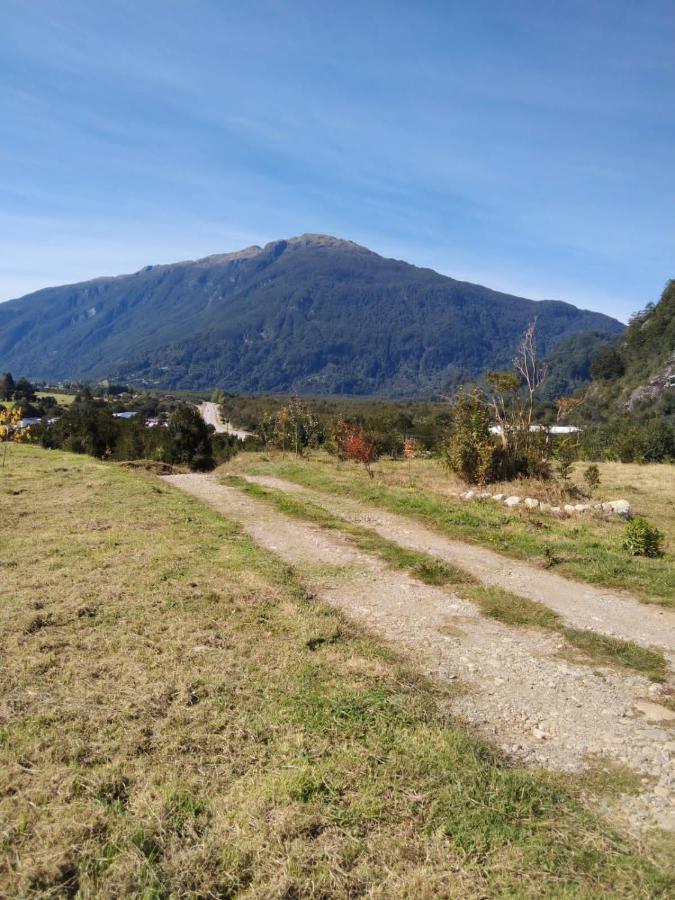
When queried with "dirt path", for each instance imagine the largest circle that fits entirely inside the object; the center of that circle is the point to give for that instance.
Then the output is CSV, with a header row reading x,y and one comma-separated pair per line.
x,y
210,413
580,605
521,694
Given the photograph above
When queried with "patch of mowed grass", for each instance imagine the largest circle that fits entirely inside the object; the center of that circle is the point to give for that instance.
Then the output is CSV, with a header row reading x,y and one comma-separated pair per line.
x,y
188,735
499,604
585,548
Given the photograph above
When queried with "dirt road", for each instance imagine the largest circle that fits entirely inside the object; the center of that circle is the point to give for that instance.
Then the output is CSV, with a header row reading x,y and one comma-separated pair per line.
x,y
580,605
520,691
210,412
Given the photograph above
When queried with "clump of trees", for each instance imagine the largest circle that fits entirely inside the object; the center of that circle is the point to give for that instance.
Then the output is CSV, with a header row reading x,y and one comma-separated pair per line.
x,y
21,391
89,426
293,427
625,440
481,453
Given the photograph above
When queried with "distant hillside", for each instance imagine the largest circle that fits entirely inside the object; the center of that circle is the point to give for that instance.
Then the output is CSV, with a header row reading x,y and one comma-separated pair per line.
x,y
312,314
569,365
636,371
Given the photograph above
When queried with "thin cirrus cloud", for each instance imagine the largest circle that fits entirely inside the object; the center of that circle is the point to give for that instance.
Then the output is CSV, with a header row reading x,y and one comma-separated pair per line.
x,y
521,145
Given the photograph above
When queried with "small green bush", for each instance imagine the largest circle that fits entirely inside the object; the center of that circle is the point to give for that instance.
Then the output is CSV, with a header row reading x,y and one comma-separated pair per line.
x,y
642,539
592,476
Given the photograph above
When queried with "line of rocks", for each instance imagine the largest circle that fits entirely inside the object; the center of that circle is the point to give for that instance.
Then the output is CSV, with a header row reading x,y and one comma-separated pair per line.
x,y
610,507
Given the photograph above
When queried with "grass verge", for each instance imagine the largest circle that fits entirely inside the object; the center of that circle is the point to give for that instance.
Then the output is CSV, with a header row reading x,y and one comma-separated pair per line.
x,y
596,649
179,719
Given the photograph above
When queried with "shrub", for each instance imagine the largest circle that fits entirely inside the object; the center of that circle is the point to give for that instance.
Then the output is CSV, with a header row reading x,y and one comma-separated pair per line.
x,y
565,455
353,444
642,539
592,476
470,449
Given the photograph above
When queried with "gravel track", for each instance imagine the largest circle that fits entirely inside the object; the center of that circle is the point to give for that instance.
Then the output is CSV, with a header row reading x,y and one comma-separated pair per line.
x,y
521,694
580,605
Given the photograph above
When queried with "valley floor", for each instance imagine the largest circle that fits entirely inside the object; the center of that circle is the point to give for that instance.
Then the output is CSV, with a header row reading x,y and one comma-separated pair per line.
x,y
241,701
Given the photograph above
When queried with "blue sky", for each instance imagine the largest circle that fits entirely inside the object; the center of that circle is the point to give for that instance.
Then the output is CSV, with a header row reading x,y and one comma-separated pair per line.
x,y
529,146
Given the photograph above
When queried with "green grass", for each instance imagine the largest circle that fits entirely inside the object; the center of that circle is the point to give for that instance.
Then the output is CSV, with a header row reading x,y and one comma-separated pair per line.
x,y
602,648
61,399
505,606
514,610
186,721
583,548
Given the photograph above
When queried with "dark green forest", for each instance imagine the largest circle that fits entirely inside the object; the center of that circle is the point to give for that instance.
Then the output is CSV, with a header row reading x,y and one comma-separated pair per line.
x,y
312,315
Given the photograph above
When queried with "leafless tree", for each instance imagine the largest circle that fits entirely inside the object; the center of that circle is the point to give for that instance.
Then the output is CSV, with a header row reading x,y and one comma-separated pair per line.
x,y
531,371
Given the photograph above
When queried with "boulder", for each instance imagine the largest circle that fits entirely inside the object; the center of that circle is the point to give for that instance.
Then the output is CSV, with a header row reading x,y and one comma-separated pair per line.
x,y
621,508
582,507
499,497
531,503
512,501
569,508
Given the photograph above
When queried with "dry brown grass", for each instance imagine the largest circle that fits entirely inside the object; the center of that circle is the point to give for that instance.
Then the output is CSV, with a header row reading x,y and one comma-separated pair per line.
x,y
178,719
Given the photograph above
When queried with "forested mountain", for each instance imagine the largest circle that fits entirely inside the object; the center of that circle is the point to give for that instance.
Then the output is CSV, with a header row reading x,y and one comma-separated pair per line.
x,y
312,314
635,372
569,365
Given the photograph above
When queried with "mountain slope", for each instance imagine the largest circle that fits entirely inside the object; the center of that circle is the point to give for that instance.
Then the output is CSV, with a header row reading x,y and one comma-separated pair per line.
x,y
312,314
636,371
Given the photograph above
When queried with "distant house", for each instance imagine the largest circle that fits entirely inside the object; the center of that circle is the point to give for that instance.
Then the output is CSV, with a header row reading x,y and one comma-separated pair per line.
x,y
26,423
549,429
125,415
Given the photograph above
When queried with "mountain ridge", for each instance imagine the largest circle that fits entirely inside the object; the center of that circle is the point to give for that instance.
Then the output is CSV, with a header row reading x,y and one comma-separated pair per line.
x,y
311,313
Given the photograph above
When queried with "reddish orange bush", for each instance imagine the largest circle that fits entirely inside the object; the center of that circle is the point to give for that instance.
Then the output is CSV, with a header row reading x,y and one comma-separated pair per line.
x,y
353,444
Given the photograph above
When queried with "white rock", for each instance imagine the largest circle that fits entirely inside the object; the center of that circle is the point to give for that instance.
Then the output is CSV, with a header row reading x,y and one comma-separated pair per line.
x,y
569,508
531,503
582,507
512,501
607,507
555,509
621,508
499,496
469,495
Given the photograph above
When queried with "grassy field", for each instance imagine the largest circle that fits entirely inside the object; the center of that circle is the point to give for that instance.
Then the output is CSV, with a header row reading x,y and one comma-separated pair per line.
x,y
585,547
61,399
178,718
